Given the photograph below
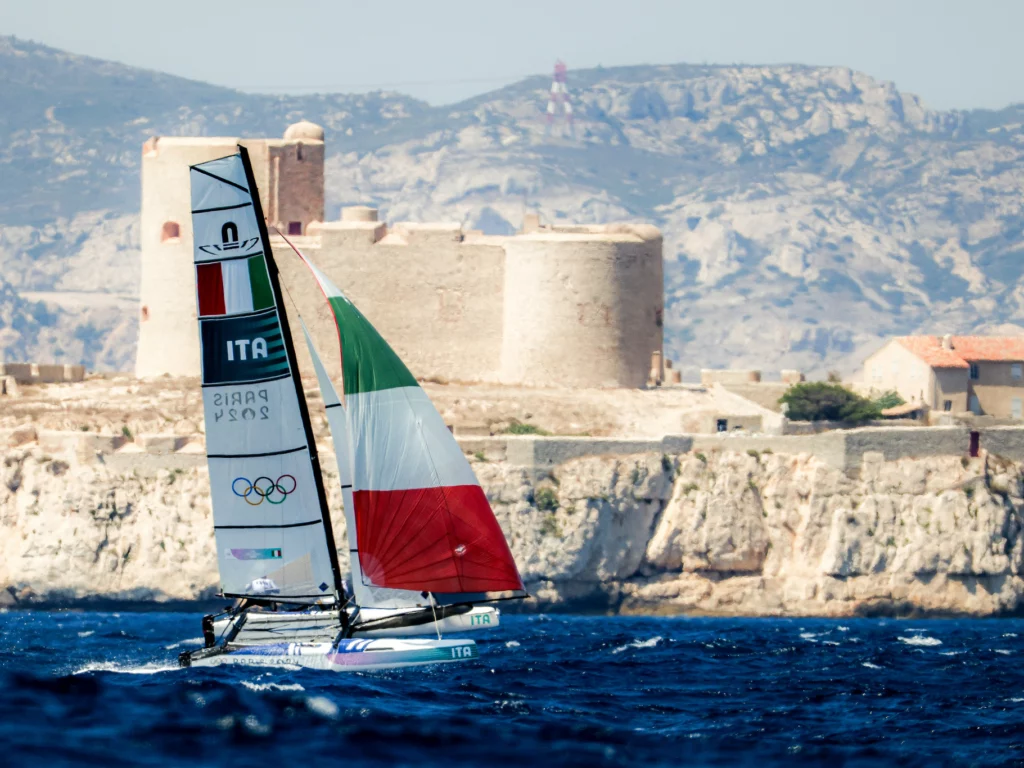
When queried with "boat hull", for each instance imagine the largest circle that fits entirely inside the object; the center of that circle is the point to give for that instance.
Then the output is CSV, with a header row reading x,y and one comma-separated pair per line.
x,y
323,626
348,655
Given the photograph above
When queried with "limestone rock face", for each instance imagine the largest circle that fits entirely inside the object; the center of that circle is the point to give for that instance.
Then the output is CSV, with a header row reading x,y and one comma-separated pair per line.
x,y
725,533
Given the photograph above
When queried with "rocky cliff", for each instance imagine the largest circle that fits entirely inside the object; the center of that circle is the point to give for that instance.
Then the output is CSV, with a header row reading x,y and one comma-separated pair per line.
x,y
723,533
808,212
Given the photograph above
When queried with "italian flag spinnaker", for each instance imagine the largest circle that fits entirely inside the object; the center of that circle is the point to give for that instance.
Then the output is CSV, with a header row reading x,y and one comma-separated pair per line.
x,y
422,521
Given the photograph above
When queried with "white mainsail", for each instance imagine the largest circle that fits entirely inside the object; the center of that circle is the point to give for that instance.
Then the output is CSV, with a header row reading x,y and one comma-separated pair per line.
x,y
269,508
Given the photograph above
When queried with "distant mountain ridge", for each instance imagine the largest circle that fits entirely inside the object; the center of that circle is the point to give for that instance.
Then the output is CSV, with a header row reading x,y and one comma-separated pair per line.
x,y
808,212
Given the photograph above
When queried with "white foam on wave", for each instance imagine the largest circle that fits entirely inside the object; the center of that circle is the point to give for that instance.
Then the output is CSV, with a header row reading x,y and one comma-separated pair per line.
x,y
869,665
512,644
808,636
649,643
323,706
112,666
952,653
1016,700
829,642
843,629
190,641
928,642
86,634
1009,634
1002,651
272,686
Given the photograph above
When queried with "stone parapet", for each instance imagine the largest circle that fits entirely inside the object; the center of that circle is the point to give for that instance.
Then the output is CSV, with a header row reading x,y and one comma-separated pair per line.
x,y
41,373
841,449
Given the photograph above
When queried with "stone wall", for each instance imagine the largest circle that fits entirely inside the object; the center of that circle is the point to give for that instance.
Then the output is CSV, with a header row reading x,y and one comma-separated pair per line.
x,y
843,450
40,373
434,295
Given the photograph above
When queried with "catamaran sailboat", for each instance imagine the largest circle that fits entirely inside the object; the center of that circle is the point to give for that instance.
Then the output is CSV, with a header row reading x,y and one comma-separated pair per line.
x,y
424,546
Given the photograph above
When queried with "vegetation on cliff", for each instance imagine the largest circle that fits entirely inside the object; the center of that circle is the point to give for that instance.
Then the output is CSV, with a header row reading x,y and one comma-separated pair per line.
x,y
828,401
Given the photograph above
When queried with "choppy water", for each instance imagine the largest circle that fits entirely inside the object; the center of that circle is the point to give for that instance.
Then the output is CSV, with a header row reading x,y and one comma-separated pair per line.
x,y
104,689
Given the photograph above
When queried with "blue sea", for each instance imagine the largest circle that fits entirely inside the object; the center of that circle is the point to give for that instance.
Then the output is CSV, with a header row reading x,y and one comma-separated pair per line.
x,y
90,688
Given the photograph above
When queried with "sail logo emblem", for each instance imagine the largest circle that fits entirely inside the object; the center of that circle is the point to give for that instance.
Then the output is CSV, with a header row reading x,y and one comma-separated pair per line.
x,y
264,489
229,242
254,554
248,348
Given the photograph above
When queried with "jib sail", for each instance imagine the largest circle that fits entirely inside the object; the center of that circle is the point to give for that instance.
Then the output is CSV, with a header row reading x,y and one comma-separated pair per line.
x,y
270,513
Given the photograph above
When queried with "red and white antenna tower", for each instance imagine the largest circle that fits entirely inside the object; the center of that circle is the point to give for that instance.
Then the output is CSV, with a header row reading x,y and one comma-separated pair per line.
x,y
559,103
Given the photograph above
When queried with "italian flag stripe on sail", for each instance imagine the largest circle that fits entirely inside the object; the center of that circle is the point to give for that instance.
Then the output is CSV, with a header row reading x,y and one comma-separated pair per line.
x,y
234,286
423,522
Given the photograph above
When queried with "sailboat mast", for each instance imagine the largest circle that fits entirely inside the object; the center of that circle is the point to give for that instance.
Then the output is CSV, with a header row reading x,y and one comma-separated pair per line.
x,y
275,285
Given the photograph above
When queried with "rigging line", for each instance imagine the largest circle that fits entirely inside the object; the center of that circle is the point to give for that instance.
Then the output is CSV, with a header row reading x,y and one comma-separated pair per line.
x,y
323,290
433,611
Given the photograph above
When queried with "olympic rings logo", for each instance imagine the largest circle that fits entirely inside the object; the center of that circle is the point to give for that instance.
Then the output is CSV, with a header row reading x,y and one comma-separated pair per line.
x,y
263,489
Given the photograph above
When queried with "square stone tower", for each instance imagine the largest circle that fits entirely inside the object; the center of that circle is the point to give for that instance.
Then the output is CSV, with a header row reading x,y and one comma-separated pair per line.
x,y
290,175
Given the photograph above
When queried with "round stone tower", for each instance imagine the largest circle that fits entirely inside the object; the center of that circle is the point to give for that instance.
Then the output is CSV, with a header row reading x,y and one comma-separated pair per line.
x,y
583,306
290,175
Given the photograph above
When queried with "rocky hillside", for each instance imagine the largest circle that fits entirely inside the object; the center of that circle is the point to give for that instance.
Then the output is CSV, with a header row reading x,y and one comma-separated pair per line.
x,y
808,212
723,534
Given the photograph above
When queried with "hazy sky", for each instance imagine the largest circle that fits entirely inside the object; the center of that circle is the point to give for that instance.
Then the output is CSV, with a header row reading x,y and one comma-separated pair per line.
x,y
963,53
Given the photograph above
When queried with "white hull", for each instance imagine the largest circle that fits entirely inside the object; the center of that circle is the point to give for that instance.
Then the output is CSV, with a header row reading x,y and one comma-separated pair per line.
x,y
350,655
314,626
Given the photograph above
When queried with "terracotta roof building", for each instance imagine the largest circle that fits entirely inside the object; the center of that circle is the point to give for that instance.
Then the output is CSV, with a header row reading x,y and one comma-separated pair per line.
x,y
981,374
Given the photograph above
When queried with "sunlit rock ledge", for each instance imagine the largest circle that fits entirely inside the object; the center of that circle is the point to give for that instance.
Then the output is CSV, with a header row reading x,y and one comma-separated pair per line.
x,y
702,532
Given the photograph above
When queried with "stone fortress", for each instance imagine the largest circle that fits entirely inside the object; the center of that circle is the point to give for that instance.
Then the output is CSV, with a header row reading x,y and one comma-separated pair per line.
x,y
577,306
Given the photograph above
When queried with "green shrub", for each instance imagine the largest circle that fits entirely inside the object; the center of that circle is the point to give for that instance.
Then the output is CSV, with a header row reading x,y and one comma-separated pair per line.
x,y
889,399
824,401
517,427
701,458
546,499
549,527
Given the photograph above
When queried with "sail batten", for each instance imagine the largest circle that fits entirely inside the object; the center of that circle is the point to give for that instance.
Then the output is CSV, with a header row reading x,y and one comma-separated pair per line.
x,y
419,522
271,521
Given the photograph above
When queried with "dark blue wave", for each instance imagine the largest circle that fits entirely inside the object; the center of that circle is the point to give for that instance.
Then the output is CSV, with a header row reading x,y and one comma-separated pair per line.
x,y
102,689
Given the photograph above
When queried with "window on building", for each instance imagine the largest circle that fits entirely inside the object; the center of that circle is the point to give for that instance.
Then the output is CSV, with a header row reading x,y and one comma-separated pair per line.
x,y
722,425
947,405
294,227
1016,370
974,371
170,231
1015,411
